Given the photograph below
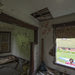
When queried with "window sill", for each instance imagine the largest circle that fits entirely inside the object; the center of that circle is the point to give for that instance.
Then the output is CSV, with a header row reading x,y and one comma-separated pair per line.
x,y
65,66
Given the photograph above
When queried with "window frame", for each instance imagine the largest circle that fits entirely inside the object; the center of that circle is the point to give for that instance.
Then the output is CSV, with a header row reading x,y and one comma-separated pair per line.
x,y
72,23
9,47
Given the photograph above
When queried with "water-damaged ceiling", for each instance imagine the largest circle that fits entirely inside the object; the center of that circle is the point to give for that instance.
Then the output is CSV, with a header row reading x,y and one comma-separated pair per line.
x,y
56,7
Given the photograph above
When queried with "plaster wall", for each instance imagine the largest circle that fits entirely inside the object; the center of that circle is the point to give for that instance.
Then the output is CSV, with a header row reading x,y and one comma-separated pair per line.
x,y
16,50
48,41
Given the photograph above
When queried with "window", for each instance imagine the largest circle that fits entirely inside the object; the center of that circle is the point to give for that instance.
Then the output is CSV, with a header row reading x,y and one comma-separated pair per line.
x,y
64,36
5,42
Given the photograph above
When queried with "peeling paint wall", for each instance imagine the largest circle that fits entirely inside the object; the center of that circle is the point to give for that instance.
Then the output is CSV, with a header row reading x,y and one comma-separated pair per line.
x,y
48,41
21,38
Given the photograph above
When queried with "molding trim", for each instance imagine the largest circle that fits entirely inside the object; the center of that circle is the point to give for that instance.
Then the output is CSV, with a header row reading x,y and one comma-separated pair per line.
x,y
63,24
8,19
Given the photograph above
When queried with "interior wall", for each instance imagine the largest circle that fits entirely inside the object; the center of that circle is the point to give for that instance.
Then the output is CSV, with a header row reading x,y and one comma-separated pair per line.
x,y
37,53
14,48
20,39
47,34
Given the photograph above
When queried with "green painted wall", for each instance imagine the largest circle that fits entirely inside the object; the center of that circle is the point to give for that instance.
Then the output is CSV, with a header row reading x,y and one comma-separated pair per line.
x,y
23,38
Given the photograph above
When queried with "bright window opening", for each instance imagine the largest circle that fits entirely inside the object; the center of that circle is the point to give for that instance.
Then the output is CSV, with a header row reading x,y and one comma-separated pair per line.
x,y
65,51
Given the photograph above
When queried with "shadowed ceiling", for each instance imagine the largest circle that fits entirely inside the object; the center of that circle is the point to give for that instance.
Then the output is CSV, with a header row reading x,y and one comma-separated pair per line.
x,y
19,8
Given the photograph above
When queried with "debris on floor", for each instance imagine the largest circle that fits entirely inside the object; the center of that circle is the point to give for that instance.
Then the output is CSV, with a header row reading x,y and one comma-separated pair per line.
x,y
43,70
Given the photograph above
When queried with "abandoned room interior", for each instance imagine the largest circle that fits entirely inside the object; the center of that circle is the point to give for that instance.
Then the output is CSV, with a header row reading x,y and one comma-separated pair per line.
x,y
37,37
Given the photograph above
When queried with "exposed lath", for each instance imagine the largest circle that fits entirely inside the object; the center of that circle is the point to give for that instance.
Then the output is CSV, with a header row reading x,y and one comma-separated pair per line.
x,y
42,15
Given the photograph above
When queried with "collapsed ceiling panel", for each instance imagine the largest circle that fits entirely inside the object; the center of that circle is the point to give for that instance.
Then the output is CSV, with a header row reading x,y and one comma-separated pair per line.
x,y
42,15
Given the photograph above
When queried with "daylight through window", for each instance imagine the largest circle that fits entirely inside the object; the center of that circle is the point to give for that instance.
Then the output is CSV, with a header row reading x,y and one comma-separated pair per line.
x,y
65,45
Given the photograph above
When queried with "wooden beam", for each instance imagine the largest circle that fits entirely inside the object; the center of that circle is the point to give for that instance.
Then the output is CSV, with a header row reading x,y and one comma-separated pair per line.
x,y
32,59
42,49
8,19
63,24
